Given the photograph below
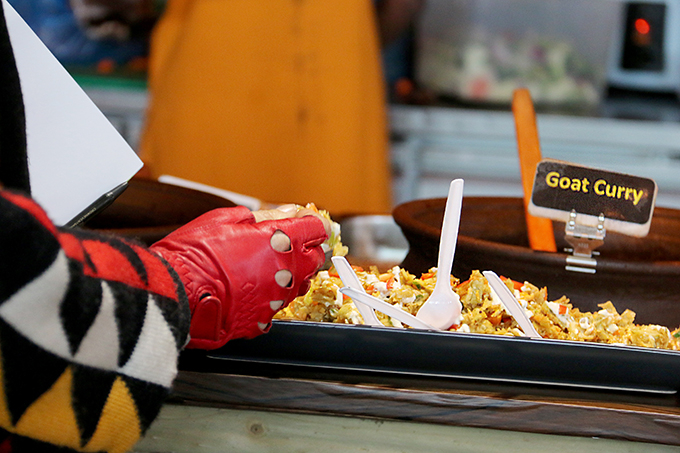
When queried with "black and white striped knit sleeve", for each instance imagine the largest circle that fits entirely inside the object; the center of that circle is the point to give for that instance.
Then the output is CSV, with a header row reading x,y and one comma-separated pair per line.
x,y
90,331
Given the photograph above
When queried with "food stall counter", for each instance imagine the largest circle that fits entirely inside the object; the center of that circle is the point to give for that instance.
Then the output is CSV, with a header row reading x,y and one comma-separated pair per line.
x,y
279,411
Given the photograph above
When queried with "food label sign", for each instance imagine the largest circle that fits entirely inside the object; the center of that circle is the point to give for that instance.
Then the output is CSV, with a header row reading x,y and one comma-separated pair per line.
x,y
626,201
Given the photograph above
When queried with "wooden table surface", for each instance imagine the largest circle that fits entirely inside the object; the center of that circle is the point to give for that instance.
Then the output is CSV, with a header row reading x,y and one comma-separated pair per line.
x,y
606,415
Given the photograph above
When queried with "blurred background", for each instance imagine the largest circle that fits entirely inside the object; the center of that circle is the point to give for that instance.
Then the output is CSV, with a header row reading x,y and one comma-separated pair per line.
x,y
604,76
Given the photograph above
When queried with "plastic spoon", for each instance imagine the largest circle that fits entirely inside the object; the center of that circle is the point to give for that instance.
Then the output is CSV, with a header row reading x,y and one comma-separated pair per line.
x,y
350,279
442,309
511,304
389,309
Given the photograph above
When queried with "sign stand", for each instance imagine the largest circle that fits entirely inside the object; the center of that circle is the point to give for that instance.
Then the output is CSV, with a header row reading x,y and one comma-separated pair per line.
x,y
568,192
584,240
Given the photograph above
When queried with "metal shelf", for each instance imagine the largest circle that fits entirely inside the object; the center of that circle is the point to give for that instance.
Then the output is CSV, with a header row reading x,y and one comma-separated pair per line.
x,y
437,144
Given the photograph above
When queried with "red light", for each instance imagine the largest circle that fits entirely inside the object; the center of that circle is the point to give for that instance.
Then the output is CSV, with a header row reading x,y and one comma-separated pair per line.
x,y
642,26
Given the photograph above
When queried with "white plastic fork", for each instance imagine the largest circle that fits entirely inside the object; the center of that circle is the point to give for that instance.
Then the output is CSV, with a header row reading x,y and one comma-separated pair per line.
x,y
511,304
351,280
384,307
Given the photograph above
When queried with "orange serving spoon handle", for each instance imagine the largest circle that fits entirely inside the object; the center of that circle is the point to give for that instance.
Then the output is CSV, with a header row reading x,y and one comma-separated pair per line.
x,y
540,229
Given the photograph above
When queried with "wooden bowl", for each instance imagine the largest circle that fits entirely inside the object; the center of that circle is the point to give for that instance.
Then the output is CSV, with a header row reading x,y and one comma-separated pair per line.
x,y
149,210
641,274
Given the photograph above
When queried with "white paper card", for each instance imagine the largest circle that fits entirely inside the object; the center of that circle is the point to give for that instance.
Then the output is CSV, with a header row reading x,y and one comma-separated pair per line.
x,y
75,154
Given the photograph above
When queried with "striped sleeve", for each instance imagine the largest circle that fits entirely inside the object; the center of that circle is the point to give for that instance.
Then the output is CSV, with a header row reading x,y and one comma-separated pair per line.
x,y
93,321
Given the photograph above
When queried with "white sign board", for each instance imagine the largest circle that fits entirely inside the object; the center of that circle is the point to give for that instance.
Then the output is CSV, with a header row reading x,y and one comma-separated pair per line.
x,y
75,155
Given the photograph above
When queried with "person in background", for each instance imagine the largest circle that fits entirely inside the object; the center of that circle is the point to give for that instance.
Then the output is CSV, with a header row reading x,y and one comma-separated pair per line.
x,y
396,23
241,90
104,46
283,100
91,325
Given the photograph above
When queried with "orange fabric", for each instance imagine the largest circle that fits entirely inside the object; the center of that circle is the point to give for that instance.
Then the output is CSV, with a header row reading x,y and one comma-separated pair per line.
x,y
51,418
112,436
278,99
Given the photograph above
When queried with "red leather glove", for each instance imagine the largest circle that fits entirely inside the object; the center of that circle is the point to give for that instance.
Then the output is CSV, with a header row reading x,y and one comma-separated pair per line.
x,y
234,278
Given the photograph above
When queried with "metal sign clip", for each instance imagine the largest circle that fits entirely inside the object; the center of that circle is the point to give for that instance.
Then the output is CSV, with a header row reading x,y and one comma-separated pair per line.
x,y
584,240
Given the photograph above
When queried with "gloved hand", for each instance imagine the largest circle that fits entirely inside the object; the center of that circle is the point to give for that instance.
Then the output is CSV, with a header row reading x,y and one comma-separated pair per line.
x,y
238,272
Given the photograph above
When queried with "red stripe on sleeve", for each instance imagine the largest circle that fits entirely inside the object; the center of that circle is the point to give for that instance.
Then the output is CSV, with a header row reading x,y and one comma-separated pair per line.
x,y
72,246
32,208
160,279
110,264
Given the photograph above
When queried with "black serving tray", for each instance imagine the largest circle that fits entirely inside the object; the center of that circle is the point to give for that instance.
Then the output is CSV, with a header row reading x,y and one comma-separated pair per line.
x,y
414,353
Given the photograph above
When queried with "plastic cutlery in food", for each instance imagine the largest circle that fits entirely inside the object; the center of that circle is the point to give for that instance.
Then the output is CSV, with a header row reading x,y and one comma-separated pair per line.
x,y
442,309
351,279
511,304
384,307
